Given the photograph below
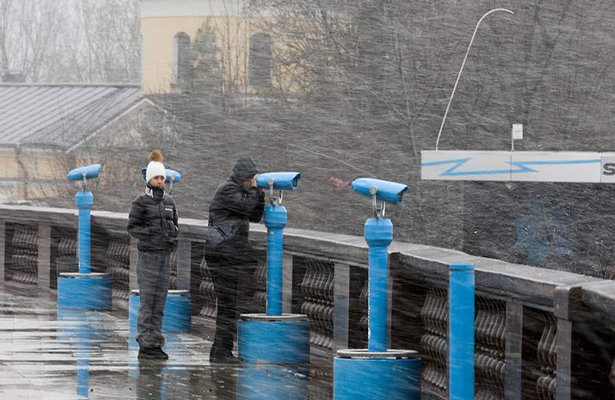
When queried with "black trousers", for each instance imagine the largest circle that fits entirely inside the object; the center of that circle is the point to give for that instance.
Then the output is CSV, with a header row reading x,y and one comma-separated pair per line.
x,y
225,275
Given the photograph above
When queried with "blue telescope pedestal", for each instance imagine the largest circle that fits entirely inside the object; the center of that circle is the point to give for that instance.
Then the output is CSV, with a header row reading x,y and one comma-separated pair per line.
x,y
84,290
274,337
177,317
377,372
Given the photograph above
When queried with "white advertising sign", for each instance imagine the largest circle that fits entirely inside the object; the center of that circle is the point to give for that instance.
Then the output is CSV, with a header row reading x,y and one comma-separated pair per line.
x,y
518,166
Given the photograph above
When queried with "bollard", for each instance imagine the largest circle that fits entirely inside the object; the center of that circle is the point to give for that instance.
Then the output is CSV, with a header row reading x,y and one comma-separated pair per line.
x,y
84,290
461,332
275,338
377,372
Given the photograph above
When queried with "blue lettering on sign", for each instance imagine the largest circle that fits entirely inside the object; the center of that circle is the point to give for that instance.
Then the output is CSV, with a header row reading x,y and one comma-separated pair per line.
x,y
522,166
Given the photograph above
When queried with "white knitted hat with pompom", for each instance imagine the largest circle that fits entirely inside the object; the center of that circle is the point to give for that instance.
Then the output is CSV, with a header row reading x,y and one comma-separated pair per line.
x,y
155,166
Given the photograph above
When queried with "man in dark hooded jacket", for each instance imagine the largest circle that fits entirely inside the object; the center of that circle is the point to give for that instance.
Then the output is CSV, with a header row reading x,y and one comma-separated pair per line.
x,y
237,202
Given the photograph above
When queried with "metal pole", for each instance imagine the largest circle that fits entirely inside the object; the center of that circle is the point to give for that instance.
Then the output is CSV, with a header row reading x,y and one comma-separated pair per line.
x,y
275,219
461,332
378,235
84,202
462,65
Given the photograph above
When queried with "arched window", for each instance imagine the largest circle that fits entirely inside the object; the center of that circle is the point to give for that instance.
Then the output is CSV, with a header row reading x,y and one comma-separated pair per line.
x,y
181,56
261,53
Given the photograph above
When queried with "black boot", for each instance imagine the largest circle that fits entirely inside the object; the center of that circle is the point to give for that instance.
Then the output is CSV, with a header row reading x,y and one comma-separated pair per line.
x,y
162,355
152,353
217,356
225,359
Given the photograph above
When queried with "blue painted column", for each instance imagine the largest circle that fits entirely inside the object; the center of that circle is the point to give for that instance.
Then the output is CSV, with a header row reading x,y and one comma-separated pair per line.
x,y
84,202
275,220
378,235
461,332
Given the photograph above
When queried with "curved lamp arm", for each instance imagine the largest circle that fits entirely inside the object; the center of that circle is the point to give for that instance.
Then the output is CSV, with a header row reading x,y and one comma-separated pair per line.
x,y
463,64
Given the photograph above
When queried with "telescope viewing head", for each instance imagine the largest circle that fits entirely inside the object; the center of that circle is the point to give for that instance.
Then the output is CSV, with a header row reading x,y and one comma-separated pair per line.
x,y
379,190
278,181
84,173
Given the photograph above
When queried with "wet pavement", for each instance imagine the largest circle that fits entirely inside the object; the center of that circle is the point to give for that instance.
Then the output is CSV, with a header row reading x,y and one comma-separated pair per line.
x,y
46,353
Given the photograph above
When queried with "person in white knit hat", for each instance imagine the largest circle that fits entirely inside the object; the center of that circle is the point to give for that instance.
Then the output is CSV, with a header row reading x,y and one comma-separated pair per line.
x,y
153,220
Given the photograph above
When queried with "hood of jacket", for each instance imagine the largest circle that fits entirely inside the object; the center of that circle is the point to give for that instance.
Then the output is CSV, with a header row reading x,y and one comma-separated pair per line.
x,y
244,168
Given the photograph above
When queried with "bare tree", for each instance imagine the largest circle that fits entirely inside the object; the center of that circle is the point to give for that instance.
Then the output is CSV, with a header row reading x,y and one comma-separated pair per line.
x,y
29,31
105,41
70,40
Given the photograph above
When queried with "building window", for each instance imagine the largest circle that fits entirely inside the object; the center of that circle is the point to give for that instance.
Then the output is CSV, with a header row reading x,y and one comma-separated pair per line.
x,y
181,57
261,49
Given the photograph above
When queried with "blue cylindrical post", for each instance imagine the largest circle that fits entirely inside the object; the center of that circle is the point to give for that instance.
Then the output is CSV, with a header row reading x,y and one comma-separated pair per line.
x,y
275,220
461,332
84,202
378,235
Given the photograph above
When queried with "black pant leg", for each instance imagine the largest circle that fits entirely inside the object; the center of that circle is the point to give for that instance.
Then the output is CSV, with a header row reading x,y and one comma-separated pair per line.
x,y
225,277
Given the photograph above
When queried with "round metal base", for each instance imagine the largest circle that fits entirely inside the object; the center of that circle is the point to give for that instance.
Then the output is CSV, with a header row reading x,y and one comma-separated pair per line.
x,y
177,316
84,291
283,339
392,374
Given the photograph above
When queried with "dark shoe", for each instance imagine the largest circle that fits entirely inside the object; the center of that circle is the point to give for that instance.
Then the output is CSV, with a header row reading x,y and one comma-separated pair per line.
x,y
224,359
161,354
149,353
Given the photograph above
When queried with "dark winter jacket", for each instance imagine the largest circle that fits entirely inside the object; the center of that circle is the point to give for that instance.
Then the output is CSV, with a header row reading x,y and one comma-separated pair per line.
x,y
153,220
233,204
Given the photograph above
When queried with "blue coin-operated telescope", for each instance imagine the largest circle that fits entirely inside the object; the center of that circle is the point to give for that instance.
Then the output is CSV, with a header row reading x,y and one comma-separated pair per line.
x,y
274,337
377,372
84,290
